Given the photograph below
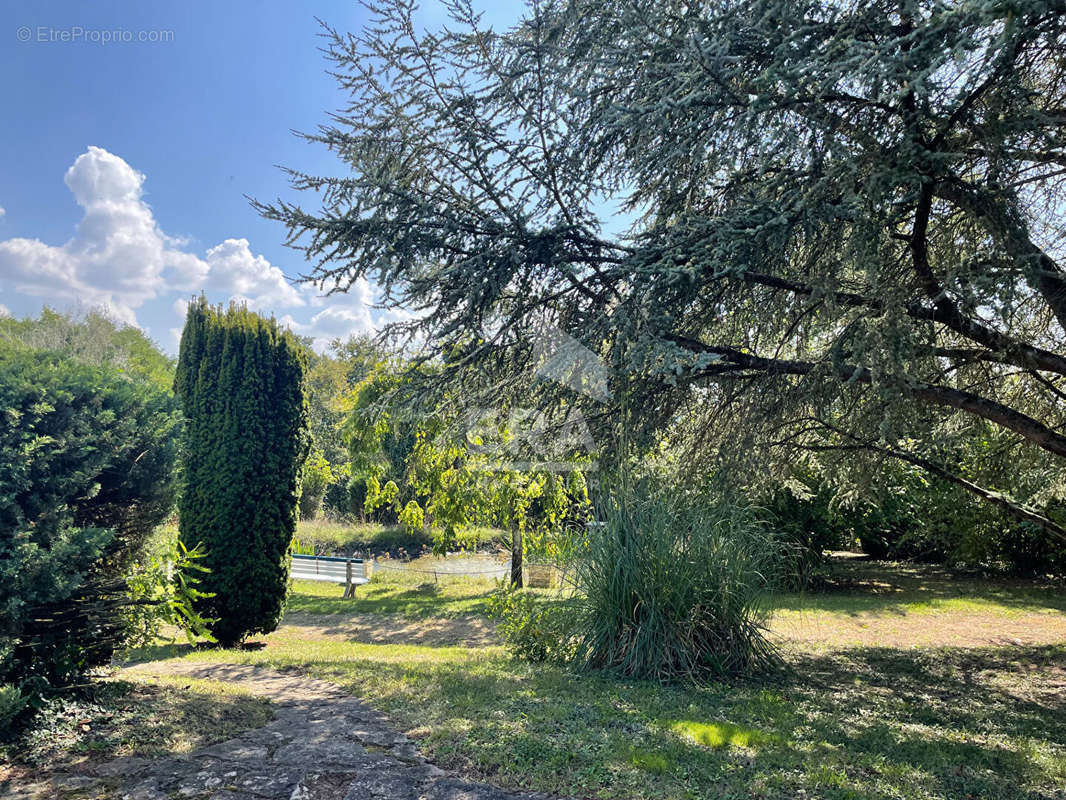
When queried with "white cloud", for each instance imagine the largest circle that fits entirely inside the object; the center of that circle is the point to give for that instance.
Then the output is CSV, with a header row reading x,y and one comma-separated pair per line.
x,y
233,269
2,211
335,322
187,271
4,311
175,339
119,258
342,315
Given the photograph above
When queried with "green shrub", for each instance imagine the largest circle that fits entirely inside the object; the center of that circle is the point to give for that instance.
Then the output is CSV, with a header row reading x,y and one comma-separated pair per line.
x,y
86,458
358,489
379,502
986,539
164,588
315,477
412,518
336,502
532,629
241,382
932,521
11,705
672,585
807,524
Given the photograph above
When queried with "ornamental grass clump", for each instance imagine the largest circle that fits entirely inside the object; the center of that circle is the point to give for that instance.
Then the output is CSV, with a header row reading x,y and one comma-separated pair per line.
x,y
673,586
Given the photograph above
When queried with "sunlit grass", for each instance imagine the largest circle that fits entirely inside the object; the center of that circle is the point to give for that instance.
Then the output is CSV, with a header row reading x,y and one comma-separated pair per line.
x,y
1008,604
720,734
389,596
411,596
655,763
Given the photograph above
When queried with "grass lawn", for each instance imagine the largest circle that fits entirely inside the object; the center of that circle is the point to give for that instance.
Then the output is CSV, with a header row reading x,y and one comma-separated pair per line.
x,y
851,717
899,605
448,597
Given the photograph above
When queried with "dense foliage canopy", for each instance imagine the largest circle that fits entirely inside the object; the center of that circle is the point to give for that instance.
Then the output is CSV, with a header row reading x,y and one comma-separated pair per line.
x,y
824,231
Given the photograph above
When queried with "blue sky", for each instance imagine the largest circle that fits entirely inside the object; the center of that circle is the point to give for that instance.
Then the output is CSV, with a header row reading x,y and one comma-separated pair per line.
x,y
125,165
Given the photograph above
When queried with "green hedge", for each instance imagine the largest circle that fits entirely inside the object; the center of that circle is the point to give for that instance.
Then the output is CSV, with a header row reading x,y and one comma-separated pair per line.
x,y
86,458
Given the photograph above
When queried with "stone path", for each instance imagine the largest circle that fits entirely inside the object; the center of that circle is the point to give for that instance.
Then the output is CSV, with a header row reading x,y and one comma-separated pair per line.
x,y
322,744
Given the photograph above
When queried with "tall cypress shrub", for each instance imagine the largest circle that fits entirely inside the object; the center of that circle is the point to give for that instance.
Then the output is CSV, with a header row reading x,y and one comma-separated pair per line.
x,y
242,383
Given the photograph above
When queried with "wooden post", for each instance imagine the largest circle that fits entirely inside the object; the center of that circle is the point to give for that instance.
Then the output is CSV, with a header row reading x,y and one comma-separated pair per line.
x,y
348,587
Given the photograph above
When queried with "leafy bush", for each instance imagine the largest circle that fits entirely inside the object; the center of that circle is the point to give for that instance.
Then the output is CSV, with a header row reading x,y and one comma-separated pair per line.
x,y
368,501
412,518
11,705
315,477
241,381
336,502
357,494
532,629
86,459
932,521
164,590
1027,550
807,525
672,585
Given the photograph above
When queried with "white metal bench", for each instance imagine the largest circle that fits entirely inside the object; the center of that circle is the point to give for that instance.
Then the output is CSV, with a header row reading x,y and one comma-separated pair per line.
x,y
351,572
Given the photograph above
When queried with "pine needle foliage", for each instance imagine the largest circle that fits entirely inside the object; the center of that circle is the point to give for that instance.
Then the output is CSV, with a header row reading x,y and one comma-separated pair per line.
x,y
241,380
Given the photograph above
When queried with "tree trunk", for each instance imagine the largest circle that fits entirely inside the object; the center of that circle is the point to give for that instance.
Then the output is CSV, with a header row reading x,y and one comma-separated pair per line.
x,y
516,557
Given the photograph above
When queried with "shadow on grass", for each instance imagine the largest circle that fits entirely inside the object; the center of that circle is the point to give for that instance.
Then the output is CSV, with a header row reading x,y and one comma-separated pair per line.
x,y
460,630
1015,691
160,652
143,718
